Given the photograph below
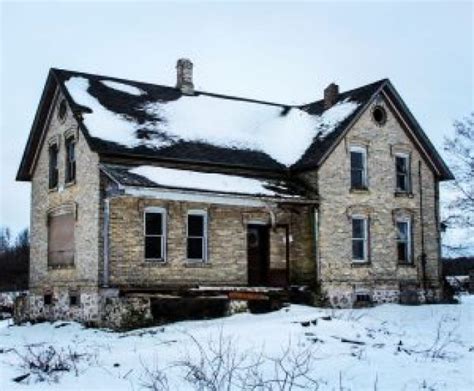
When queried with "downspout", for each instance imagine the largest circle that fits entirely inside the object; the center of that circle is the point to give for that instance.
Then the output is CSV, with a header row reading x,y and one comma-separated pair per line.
x,y
316,242
422,229
106,242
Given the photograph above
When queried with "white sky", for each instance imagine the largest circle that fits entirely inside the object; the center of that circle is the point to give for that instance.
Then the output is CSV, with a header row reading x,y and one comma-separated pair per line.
x,y
284,52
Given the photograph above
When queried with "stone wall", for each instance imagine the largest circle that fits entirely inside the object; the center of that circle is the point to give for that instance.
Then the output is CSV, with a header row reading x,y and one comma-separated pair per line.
x,y
83,194
339,277
227,244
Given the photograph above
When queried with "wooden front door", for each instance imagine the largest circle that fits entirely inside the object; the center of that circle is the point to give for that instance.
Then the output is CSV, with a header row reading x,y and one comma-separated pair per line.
x,y
257,254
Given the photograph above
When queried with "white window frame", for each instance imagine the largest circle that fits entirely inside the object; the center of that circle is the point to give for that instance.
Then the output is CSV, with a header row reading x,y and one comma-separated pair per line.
x,y
363,151
198,212
162,211
365,238
406,220
405,156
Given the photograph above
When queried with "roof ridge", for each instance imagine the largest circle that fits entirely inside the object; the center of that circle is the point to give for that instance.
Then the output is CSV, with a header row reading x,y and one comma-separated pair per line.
x,y
348,92
212,94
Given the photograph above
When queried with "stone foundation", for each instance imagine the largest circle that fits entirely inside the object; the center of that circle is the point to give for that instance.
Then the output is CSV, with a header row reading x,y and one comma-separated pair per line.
x,y
346,297
33,308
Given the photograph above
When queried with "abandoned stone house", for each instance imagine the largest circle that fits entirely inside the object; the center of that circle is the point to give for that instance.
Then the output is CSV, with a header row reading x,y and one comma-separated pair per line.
x,y
140,189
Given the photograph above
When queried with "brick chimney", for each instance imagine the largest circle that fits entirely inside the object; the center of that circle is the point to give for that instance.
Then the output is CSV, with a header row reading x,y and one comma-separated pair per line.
x,y
331,93
184,73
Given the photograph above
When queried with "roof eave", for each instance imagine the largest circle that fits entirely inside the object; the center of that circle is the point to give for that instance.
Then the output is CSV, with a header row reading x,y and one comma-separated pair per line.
x,y
444,172
23,173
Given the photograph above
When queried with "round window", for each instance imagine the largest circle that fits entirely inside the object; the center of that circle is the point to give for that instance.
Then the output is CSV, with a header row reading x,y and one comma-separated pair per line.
x,y
62,110
379,115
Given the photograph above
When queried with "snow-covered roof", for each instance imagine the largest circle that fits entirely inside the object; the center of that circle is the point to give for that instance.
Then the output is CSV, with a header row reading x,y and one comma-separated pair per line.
x,y
281,132
162,122
162,177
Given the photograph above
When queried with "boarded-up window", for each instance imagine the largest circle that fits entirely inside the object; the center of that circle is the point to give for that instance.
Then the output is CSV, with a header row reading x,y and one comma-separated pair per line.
x,y
61,240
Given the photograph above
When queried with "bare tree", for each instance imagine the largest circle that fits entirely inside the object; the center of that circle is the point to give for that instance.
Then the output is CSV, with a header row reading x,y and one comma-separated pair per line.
x,y
460,154
5,238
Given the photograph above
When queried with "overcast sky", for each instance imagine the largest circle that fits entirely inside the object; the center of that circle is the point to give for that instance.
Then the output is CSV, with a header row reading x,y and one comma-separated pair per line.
x,y
284,52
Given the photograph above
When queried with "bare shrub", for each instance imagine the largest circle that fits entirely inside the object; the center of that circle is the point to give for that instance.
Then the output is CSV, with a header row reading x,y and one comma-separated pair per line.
x,y
220,366
439,348
47,364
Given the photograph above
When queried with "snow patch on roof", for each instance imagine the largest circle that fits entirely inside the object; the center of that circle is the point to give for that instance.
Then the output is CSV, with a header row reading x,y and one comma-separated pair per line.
x,y
184,179
105,124
129,89
328,120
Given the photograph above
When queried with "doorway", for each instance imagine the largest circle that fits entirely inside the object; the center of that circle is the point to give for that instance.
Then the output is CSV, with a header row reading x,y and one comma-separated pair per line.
x,y
258,254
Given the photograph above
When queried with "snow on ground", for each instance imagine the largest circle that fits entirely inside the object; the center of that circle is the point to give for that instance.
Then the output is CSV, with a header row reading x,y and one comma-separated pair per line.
x,y
186,179
282,132
400,349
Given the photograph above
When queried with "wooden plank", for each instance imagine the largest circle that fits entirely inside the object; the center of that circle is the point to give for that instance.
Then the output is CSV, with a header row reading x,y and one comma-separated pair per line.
x,y
247,296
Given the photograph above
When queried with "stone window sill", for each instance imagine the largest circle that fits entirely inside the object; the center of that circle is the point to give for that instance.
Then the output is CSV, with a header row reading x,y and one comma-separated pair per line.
x,y
197,264
155,263
53,189
61,267
360,264
359,190
70,183
406,264
404,194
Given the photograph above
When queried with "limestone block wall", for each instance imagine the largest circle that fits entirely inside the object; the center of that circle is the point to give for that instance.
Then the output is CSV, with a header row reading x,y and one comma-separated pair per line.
x,y
227,245
338,275
84,194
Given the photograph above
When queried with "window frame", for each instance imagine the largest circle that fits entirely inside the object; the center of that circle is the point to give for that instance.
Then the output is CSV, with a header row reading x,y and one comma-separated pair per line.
x,y
365,239
409,240
363,151
53,146
405,156
164,226
205,256
68,141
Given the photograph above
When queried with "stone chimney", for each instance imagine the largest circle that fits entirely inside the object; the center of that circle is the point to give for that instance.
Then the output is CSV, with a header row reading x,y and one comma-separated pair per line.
x,y
184,73
331,93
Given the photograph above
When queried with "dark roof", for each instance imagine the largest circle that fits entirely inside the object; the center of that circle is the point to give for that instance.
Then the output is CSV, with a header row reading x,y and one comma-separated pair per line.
x,y
282,187
181,150
200,151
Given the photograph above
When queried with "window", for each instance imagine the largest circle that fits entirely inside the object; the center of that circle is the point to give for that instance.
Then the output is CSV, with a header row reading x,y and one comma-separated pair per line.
x,y
62,110
74,299
404,241
379,115
53,166
358,168
197,236
61,239
48,299
402,173
155,228
70,159
359,239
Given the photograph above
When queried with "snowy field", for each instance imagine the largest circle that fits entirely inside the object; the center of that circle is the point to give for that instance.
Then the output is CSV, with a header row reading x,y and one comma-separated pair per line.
x,y
389,347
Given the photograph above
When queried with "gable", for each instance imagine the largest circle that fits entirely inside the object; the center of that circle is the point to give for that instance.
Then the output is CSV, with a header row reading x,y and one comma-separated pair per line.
x,y
321,148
